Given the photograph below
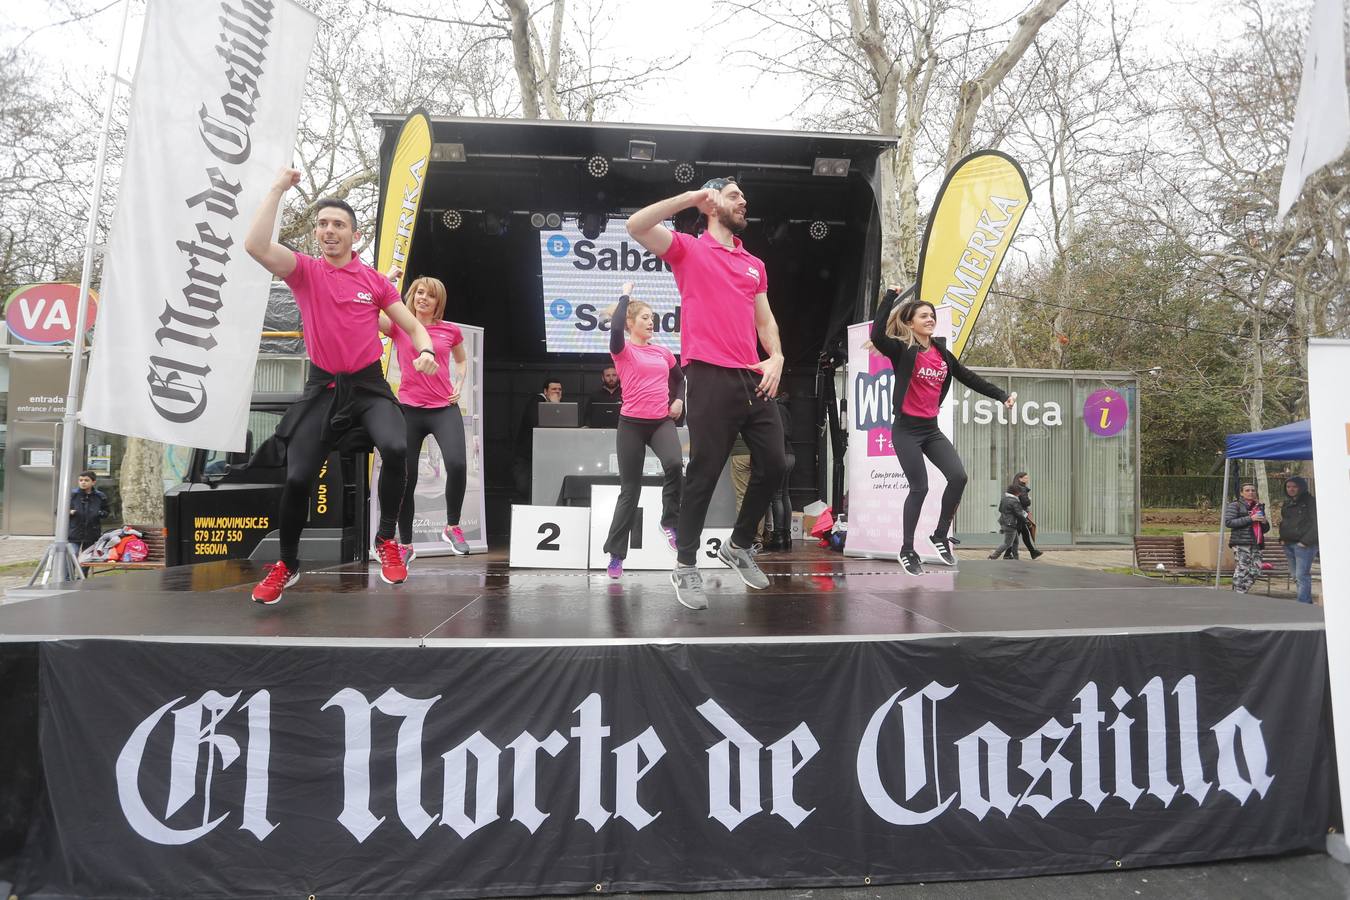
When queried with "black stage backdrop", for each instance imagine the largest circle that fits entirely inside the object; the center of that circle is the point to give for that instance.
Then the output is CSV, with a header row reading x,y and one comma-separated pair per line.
x,y
246,771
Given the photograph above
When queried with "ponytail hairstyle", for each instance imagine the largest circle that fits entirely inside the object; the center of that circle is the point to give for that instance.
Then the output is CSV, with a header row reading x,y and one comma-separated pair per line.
x,y
437,291
897,325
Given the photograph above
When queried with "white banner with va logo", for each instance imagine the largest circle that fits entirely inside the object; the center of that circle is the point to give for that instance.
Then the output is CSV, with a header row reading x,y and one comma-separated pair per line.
x,y
582,279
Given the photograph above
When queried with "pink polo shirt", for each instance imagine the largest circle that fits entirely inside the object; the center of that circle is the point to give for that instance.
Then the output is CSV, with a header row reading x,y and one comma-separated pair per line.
x,y
717,300
644,372
414,388
340,311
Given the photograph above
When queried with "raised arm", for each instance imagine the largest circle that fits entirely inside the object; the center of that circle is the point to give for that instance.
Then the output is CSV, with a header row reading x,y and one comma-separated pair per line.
x,y
645,227
618,320
766,326
880,339
275,258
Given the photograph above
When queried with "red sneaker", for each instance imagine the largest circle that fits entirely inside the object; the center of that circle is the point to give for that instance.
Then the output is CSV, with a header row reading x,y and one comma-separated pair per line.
x,y
392,568
270,589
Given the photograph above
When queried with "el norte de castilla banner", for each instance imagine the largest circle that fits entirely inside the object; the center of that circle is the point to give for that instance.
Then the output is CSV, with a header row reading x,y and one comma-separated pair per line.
x,y
974,218
214,110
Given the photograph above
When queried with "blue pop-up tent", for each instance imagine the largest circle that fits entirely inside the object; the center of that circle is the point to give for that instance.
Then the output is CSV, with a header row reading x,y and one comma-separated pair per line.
x,y
1292,441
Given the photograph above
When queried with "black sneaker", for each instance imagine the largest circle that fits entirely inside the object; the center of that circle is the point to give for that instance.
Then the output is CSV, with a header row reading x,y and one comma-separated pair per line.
x,y
944,550
909,560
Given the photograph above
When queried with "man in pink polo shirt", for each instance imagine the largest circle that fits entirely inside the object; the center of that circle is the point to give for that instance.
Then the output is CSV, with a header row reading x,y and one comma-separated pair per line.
x,y
347,401
724,308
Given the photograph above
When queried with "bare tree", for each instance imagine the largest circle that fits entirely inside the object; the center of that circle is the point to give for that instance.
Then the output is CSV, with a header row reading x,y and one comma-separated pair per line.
x,y
876,65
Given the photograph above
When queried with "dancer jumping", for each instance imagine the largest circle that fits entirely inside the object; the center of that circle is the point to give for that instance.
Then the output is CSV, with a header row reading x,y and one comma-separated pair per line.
x,y
339,298
724,307
431,407
923,372
653,398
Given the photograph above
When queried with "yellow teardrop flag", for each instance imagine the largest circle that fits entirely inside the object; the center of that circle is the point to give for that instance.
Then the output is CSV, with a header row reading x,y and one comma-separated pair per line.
x,y
974,218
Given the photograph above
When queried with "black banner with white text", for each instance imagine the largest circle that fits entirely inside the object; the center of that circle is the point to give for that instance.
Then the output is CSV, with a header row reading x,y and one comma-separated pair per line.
x,y
250,771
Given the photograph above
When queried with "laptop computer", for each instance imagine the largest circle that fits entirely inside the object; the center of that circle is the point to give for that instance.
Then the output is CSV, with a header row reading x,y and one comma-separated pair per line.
x,y
559,415
603,415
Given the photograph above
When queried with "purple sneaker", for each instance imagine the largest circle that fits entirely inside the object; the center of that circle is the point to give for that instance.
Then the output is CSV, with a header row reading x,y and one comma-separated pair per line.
x,y
615,568
670,537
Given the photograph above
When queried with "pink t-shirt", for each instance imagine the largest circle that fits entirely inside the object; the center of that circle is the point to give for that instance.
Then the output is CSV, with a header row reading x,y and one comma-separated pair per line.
x,y
644,372
717,300
340,311
925,385
414,388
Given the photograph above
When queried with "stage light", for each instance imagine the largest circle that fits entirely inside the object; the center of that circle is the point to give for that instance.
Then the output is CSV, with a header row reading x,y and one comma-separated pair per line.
x,y
641,151
819,230
598,166
684,173
536,220
593,225
452,219
830,167
453,153
552,221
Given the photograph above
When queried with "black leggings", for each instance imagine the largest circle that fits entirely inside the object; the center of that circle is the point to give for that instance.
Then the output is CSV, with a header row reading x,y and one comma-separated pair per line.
x,y
913,439
305,455
446,424
633,439
722,403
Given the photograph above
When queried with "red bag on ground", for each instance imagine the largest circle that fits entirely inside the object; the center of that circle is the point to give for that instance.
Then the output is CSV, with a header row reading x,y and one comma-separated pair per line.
x,y
824,524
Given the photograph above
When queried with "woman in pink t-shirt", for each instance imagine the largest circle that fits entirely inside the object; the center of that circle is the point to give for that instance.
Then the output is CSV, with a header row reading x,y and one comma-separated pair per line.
x,y
923,368
431,407
653,398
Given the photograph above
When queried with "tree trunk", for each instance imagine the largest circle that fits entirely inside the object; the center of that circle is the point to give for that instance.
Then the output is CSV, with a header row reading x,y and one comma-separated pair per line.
x,y
142,483
522,58
974,91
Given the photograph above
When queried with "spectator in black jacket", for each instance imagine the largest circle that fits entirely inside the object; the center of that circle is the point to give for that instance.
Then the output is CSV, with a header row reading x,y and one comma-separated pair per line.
x,y
1021,486
1245,519
1011,516
1298,534
88,509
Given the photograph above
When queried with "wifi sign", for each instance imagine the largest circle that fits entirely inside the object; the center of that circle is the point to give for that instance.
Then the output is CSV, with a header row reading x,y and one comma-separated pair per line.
x,y
45,313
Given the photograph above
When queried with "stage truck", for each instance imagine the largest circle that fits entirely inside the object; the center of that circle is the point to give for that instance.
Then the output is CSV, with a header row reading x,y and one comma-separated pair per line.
x,y
523,222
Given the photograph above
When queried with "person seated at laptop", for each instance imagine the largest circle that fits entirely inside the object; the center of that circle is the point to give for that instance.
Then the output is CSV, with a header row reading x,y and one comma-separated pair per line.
x,y
550,392
608,397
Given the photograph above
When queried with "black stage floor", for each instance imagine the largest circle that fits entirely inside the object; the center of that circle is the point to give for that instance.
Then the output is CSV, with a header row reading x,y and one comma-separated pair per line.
x,y
814,595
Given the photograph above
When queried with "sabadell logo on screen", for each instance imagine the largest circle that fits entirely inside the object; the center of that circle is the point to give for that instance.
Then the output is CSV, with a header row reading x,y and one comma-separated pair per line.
x,y
45,313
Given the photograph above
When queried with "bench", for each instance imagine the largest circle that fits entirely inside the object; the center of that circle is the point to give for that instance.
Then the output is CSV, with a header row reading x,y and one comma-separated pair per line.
x,y
1154,550
154,542
1169,551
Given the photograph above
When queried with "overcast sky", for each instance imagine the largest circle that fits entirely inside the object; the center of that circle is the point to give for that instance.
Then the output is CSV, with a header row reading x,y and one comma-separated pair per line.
x,y
713,89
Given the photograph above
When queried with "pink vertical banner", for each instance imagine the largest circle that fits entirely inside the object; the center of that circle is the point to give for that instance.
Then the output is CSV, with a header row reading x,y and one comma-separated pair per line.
x,y
877,488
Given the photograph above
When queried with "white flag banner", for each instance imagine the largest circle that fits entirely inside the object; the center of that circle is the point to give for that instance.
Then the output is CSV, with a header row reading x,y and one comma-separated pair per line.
x,y
1329,406
214,111
1322,117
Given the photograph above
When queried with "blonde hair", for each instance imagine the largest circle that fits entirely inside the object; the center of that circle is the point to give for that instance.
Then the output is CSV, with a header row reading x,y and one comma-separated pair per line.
x,y
635,308
897,325
437,291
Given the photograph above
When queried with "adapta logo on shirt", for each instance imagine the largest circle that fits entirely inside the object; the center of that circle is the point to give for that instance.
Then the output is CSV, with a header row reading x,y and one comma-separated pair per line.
x,y
930,373
364,297
753,272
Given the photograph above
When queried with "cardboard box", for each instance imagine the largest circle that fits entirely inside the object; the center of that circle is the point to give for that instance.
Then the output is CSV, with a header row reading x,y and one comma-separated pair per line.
x,y
801,526
1201,548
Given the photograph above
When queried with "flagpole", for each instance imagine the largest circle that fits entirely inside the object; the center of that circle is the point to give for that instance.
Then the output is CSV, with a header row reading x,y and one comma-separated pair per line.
x,y
59,563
